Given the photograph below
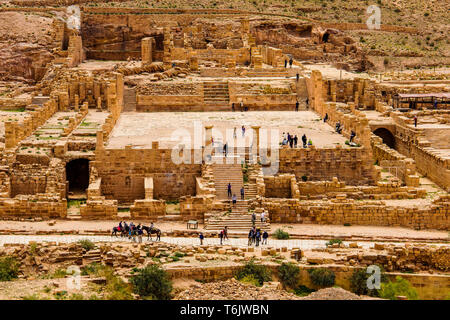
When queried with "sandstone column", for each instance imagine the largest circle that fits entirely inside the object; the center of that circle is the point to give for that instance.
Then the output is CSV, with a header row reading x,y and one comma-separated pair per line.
x,y
256,139
146,50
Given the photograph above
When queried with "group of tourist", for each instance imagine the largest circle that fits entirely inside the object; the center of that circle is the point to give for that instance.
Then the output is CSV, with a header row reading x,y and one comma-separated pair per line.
x,y
297,104
254,236
291,61
241,106
233,195
131,230
292,140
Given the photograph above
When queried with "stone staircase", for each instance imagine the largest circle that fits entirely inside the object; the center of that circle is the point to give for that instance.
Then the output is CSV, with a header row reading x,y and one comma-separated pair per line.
x,y
227,173
216,95
239,220
250,191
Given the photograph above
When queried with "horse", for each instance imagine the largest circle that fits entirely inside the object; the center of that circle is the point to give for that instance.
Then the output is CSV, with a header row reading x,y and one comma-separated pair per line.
x,y
151,231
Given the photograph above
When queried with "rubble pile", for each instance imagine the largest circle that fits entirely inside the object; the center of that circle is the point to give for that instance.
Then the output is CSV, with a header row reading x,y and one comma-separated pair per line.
x,y
234,290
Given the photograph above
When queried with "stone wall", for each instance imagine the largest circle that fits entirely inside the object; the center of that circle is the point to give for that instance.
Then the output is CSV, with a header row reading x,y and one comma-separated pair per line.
x,y
342,211
148,209
43,206
278,186
195,207
123,172
347,164
335,188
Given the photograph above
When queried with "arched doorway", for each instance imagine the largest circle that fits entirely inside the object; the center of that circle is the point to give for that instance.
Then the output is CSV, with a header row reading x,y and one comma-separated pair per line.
x,y
387,136
77,175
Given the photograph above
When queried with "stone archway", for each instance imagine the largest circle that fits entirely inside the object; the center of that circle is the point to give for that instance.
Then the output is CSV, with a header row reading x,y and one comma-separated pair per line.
x,y
77,175
387,136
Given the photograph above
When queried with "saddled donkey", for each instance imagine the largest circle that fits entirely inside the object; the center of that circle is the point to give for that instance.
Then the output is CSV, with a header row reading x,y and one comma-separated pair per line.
x,y
151,231
123,232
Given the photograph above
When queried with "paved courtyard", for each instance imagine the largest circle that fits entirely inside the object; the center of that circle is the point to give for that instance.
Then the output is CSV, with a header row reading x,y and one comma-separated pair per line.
x,y
169,128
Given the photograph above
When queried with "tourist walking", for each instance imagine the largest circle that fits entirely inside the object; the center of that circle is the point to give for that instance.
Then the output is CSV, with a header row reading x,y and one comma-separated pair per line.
x,y
242,193
229,190
415,121
290,62
253,219
250,237
352,136
296,105
234,199
295,141
225,147
263,216
225,233
201,237
325,118
221,237
243,131
258,237
285,63
265,237
304,140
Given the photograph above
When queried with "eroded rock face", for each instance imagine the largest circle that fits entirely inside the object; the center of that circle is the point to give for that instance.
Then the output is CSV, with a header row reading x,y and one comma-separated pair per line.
x,y
26,42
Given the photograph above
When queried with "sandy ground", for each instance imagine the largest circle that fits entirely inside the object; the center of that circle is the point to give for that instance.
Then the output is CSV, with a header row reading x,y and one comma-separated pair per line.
x,y
173,128
303,230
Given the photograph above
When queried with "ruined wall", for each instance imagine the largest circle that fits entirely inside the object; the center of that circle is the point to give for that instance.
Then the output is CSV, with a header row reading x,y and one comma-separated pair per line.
x,y
278,187
340,211
36,206
123,172
347,164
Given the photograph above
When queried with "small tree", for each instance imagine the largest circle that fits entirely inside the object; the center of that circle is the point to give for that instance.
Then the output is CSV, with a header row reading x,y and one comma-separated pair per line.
x,y
358,282
258,271
289,274
9,268
86,244
280,234
401,287
152,282
322,277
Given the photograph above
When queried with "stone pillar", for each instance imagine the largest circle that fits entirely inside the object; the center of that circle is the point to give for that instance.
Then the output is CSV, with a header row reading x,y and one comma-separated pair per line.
x,y
256,138
208,135
193,63
99,144
10,134
77,101
99,104
146,50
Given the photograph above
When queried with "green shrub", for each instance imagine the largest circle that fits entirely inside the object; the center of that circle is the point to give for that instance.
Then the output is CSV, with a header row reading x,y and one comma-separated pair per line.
x,y
289,274
92,268
358,283
281,234
304,178
116,288
259,272
250,279
9,268
86,244
303,291
401,287
322,277
333,241
153,283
